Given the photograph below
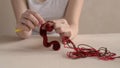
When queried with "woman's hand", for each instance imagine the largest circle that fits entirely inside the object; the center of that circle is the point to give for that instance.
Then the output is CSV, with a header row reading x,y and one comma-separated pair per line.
x,y
62,27
28,21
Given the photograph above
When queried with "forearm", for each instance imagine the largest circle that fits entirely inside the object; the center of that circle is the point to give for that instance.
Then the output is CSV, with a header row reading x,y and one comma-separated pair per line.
x,y
74,31
19,7
72,15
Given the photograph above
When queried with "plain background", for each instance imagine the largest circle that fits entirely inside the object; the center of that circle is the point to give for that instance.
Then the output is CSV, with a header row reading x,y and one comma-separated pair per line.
x,y
98,17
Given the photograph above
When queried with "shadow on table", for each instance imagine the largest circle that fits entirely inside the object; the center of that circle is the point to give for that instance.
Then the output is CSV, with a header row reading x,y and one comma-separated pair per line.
x,y
33,44
8,39
29,49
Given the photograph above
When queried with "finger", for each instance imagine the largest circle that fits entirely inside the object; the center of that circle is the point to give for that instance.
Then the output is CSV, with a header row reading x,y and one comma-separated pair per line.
x,y
57,26
58,30
62,29
65,34
28,23
37,15
31,18
60,25
22,27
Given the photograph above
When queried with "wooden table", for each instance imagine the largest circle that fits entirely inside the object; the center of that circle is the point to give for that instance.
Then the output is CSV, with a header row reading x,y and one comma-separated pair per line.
x,y
30,53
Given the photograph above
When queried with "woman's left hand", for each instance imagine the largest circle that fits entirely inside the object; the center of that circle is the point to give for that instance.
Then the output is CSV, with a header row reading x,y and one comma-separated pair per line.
x,y
62,27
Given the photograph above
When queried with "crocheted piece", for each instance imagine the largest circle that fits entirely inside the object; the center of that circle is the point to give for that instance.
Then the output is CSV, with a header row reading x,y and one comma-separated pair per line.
x,y
81,51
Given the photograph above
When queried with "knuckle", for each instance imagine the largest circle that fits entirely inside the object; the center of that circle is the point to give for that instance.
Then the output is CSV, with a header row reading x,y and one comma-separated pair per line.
x,y
27,21
36,23
21,21
68,34
59,30
64,20
32,26
28,15
35,13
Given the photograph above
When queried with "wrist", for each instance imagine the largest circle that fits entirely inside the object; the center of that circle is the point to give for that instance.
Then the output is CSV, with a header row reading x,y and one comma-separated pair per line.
x,y
74,33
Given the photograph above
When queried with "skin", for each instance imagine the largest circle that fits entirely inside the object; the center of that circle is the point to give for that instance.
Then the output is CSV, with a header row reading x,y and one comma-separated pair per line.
x,y
28,19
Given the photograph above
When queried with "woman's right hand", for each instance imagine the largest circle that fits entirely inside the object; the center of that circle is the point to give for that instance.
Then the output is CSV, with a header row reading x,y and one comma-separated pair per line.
x,y
28,21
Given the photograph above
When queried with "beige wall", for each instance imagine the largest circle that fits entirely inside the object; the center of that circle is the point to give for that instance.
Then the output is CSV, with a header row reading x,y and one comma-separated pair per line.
x,y
98,16
7,20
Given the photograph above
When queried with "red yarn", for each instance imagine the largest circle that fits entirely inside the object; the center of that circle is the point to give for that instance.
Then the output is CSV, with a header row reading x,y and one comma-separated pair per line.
x,y
80,51
43,32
